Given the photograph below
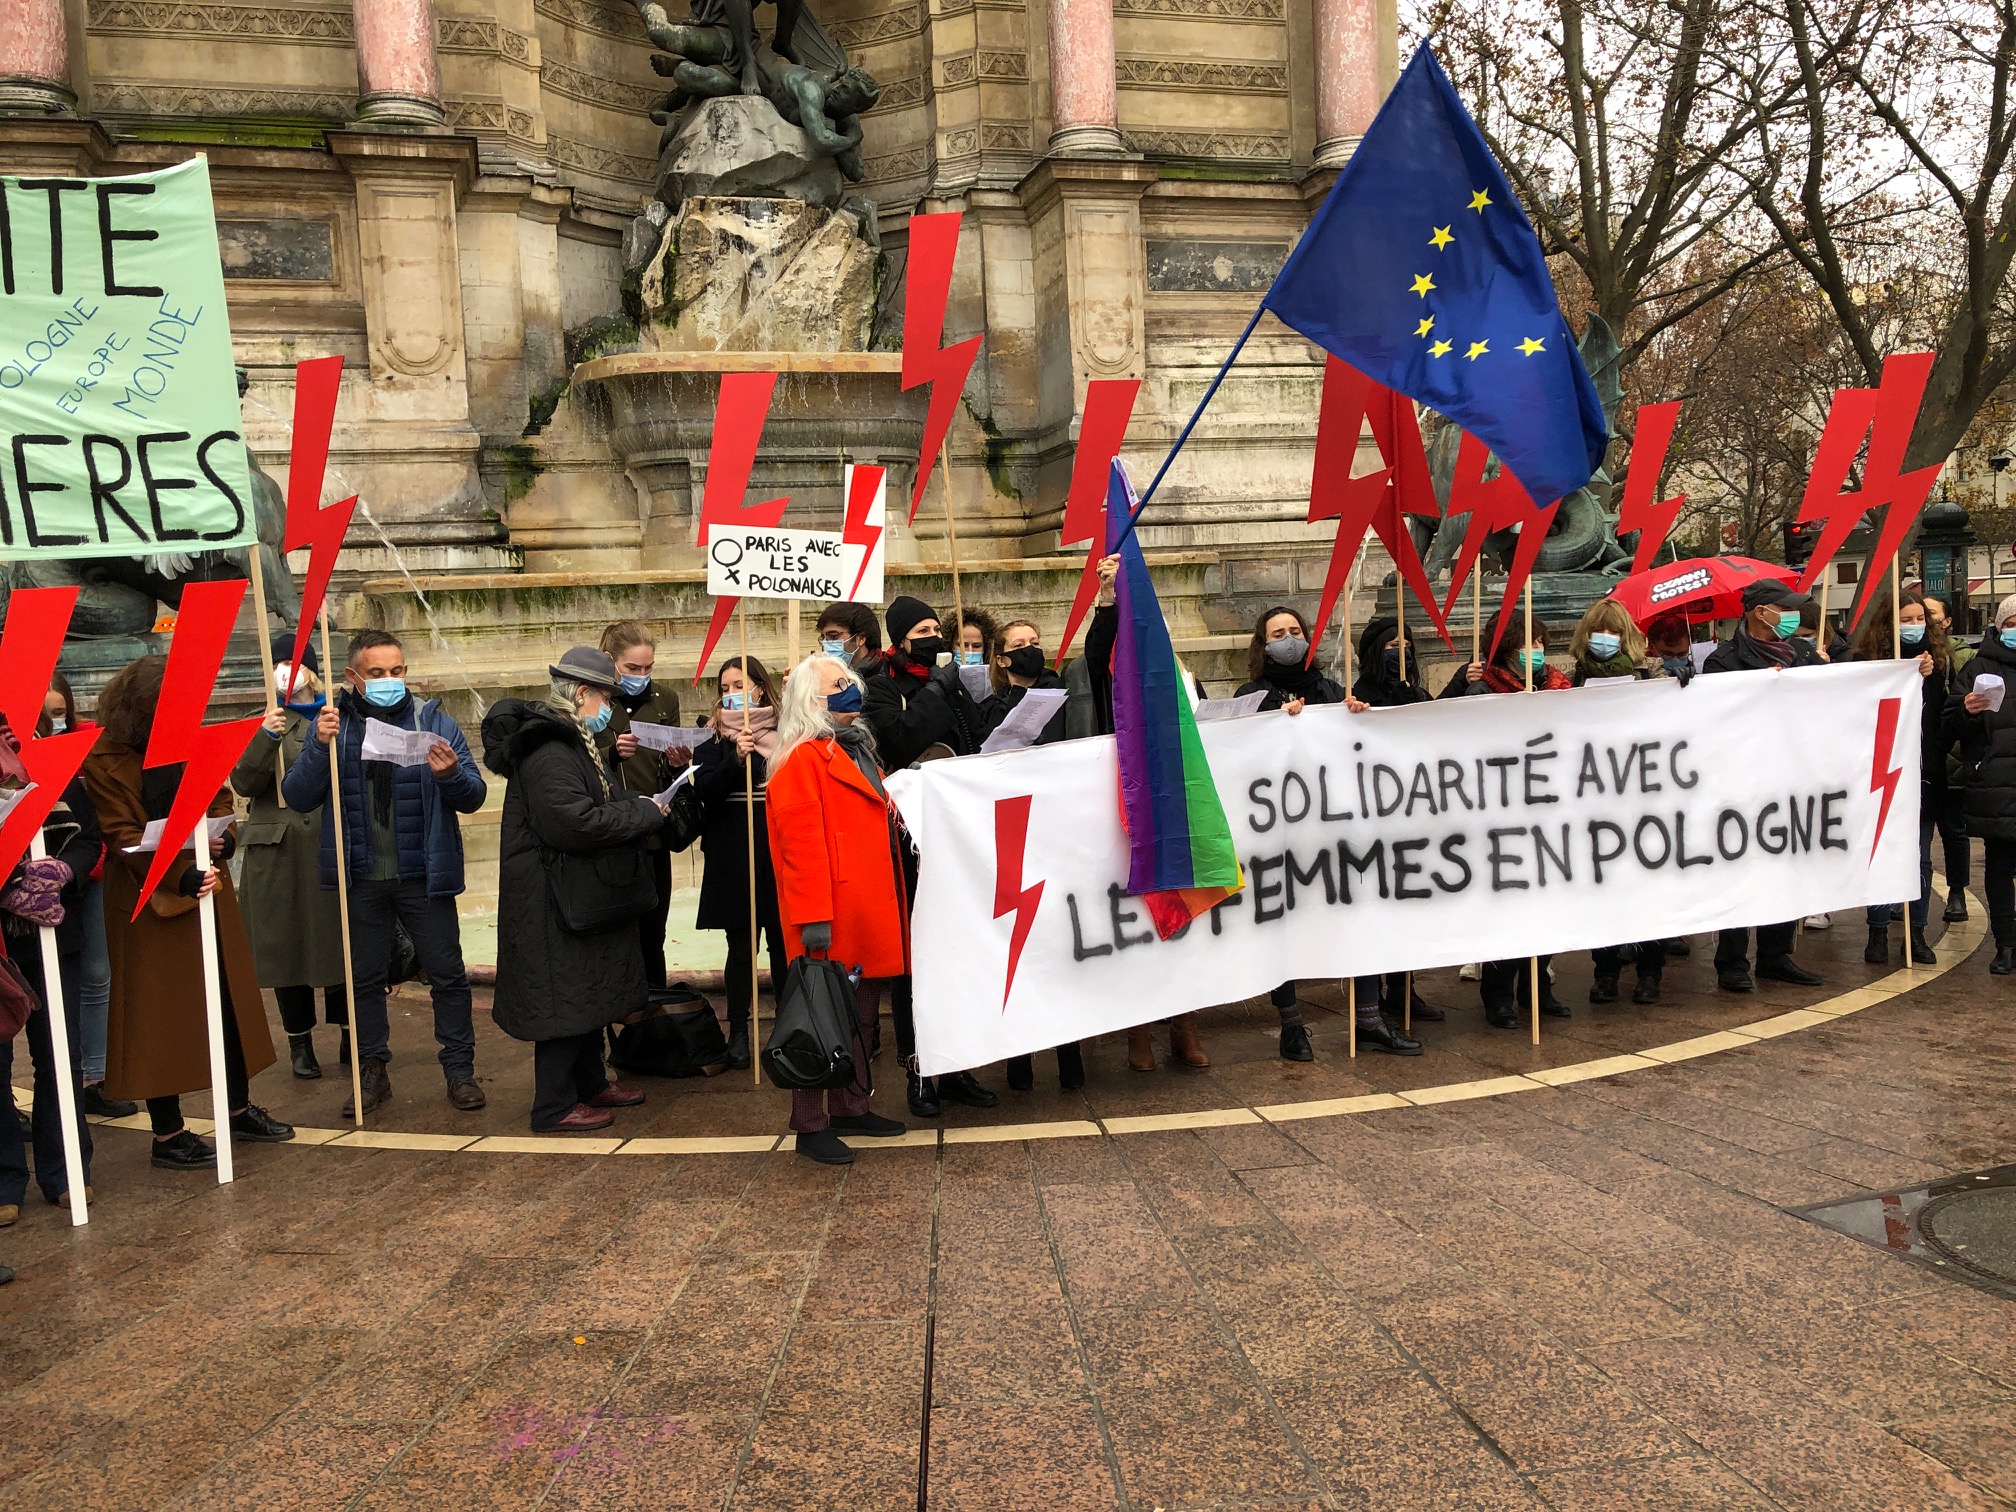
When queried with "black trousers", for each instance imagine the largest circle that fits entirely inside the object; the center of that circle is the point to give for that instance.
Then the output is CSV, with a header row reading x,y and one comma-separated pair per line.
x,y
1998,883
651,928
47,1120
1949,806
1650,956
437,939
297,1007
1508,984
735,975
165,1113
1774,943
902,1017
565,1071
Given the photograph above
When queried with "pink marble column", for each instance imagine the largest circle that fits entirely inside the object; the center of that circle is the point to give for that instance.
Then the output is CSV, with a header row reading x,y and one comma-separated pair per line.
x,y
1084,112
1347,75
399,79
34,58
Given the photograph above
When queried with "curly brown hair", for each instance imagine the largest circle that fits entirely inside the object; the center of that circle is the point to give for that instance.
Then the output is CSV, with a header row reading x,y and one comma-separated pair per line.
x,y
126,707
1875,640
1256,649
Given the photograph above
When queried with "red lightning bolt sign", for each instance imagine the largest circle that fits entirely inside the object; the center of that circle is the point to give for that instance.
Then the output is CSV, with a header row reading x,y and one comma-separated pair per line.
x,y
1883,770
30,640
739,413
859,529
1496,504
1011,841
1653,522
206,753
1378,501
1109,405
1886,415
308,523
934,243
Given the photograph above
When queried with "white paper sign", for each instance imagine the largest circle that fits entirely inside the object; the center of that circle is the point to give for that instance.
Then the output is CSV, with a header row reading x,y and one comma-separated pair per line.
x,y
1475,828
1992,688
753,562
664,737
1229,708
150,837
11,796
1025,721
386,742
677,783
1701,651
864,545
978,680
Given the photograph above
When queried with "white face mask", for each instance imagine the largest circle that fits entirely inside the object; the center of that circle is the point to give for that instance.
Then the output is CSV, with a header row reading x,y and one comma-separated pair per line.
x,y
58,724
282,675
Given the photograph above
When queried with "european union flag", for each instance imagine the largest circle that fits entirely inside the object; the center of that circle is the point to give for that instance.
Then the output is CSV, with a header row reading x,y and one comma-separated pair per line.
x,y
1422,272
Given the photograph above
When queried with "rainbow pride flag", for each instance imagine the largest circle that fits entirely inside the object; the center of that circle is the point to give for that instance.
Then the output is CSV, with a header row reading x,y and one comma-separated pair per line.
x,y
1183,861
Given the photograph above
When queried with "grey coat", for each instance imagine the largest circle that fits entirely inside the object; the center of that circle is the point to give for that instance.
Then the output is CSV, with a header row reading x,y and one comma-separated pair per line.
x,y
295,928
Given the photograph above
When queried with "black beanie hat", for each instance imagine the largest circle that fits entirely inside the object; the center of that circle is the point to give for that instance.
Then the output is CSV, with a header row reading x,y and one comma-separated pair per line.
x,y
904,614
282,646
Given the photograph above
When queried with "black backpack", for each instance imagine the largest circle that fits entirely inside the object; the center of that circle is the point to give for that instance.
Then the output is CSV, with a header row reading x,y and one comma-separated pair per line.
x,y
677,1035
814,1043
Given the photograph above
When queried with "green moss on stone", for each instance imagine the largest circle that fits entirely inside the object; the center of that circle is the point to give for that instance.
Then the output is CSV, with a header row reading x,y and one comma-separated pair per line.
x,y
521,470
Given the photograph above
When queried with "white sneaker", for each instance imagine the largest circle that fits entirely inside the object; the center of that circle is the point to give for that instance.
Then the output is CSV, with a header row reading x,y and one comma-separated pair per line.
x,y
1819,921
1471,973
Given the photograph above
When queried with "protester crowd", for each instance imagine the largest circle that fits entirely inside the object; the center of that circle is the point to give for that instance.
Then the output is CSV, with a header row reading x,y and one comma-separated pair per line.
x,y
603,781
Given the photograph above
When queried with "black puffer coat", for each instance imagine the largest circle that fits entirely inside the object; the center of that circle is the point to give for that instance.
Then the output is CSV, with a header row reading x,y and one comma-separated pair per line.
x,y
559,799
910,712
1987,742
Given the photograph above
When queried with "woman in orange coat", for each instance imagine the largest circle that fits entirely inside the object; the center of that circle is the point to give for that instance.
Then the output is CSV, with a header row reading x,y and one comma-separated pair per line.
x,y
833,846
158,1041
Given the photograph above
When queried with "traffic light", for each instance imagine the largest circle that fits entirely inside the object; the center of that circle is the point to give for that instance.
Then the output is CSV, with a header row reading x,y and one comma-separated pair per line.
x,y
1800,541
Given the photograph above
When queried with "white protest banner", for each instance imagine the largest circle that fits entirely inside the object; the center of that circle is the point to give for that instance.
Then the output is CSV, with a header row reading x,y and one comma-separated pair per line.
x,y
664,737
865,540
387,742
749,561
1461,830
118,406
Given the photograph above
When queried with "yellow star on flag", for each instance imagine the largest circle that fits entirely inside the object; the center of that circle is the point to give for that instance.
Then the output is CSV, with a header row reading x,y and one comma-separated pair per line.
x,y
1422,284
1477,349
1479,200
1440,349
1425,327
1531,345
1441,238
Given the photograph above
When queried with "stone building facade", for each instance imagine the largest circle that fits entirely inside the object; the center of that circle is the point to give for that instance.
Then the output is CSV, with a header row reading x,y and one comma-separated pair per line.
x,y
437,189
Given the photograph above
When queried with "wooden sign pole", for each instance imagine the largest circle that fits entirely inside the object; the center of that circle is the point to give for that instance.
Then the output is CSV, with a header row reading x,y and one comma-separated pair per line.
x,y
343,888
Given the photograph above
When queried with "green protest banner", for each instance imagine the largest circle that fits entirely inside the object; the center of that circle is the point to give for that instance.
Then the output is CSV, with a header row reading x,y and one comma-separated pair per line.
x,y
118,403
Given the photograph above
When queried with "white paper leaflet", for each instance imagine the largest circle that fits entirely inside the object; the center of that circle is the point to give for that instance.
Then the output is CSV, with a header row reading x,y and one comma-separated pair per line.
x,y
150,837
385,742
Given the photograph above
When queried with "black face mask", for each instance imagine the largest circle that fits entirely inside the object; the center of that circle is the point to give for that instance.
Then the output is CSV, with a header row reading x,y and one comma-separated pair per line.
x,y
926,649
1392,661
1025,661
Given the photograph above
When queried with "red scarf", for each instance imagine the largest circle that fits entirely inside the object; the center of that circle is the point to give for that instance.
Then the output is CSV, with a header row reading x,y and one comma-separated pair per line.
x,y
1502,679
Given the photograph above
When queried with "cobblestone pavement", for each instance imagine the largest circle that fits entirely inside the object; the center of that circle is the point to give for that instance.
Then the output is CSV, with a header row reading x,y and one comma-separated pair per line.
x,y
1581,1297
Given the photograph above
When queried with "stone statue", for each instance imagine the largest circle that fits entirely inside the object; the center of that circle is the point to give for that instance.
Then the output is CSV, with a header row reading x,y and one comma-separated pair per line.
x,y
1583,537
800,70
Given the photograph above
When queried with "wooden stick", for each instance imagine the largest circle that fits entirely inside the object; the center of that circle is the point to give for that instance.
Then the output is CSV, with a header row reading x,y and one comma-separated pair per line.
x,y
1400,639
213,1009
1350,569
343,887
952,545
265,653
1526,660
749,808
1897,650
59,1052
791,633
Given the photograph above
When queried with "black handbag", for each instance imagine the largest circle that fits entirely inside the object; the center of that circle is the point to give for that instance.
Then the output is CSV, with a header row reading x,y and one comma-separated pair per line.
x,y
815,1040
677,1035
597,892
685,819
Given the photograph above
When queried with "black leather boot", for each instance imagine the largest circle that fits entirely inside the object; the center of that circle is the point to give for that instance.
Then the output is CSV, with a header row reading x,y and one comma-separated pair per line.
x,y
301,1049
1921,952
923,1091
2004,962
1382,1036
1877,951
1070,1067
738,1044
960,1087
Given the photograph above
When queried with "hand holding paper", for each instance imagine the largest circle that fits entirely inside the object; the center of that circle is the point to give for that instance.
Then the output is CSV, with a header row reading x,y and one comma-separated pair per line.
x,y
1992,688
1229,708
1025,721
664,737
150,837
384,742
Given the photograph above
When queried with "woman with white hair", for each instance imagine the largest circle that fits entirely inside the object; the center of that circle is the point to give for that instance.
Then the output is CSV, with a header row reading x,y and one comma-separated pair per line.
x,y
834,848
573,880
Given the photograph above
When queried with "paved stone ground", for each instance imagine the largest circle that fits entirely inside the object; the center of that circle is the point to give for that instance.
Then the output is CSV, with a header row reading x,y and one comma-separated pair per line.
x,y
1582,1298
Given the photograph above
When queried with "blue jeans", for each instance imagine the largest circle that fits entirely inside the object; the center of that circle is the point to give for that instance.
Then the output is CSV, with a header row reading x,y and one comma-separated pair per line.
x,y
50,1173
437,937
1878,914
94,996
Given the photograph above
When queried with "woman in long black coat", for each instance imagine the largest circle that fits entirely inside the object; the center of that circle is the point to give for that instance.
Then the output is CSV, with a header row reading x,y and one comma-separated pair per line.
x,y
572,840
1987,738
723,773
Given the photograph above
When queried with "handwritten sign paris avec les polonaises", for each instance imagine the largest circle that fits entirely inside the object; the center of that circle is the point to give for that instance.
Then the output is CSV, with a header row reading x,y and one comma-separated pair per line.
x,y
770,562
119,425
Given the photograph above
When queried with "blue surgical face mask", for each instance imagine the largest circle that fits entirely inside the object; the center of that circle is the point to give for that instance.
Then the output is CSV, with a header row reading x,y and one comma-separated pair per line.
x,y
2009,637
835,647
846,701
1788,623
1533,658
1603,645
385,692
1912,635
735,703
972,658
597,722
633,683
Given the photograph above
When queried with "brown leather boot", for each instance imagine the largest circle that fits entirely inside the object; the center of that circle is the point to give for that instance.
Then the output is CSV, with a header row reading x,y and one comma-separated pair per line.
x,y
1140,1050
1183,1040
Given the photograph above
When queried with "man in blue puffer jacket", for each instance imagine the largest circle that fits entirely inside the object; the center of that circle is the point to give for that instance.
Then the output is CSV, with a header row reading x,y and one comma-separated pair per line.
x,y
403,850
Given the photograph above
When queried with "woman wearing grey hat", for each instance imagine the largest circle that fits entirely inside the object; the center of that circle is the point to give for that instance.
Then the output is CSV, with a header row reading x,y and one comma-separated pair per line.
x,y
573,882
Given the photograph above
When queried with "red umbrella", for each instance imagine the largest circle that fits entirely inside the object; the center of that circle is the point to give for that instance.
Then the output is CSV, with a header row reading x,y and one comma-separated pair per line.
x,y
1699,587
